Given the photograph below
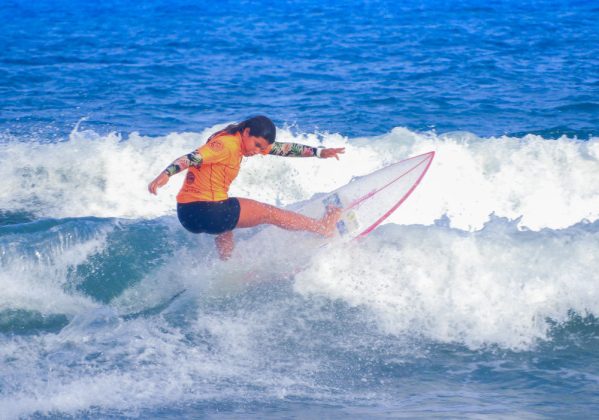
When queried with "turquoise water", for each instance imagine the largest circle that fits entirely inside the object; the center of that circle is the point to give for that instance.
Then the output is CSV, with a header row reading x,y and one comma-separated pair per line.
x,y
478,298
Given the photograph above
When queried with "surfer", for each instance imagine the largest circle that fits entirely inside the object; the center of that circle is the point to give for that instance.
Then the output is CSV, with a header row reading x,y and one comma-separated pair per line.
x,y
203,204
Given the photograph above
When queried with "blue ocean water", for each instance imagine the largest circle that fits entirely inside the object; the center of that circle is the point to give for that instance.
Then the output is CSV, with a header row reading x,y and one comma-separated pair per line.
x,y
479,298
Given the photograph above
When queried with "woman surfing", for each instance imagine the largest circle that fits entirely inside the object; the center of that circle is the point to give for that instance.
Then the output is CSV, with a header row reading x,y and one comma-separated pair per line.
x,y
203,203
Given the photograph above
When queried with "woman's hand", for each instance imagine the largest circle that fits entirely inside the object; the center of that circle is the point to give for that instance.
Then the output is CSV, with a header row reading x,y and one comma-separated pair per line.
x,y
333,152
160,181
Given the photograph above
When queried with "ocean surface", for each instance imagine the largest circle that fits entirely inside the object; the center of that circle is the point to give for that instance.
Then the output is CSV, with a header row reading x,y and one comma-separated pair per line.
x,y
478,298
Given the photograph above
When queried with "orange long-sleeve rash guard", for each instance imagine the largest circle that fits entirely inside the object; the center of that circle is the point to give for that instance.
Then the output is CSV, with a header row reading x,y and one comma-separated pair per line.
x,y
221,159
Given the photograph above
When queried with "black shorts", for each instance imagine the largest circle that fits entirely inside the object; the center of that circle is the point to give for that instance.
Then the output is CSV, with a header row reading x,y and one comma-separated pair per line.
x,y
212,217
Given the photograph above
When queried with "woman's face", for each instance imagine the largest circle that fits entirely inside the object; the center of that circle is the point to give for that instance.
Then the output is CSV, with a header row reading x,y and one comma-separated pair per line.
x,y
252,145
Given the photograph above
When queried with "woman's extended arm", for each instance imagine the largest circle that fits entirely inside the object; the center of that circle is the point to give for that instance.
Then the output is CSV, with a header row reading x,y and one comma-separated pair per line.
x,y
180,164
184,162
301,150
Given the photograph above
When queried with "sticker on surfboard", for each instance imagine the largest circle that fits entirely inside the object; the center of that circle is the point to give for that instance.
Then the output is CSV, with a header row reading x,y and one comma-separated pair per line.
x,y
347,222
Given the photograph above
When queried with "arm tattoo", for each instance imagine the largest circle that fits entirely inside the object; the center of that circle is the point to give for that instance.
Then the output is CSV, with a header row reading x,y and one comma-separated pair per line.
x,y
292,149
184,162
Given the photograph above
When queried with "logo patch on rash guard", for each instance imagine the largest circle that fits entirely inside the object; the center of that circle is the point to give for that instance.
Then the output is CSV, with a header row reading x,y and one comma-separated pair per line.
x,y
190,178
216,145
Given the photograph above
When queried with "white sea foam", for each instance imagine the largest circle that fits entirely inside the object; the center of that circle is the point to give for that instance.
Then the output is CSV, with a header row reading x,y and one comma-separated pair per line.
x,y
498,286
546,183
36,266
100,361
490,287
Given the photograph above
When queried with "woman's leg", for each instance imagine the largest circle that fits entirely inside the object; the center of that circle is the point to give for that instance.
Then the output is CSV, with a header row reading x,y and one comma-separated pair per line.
x,y
253,213
225,244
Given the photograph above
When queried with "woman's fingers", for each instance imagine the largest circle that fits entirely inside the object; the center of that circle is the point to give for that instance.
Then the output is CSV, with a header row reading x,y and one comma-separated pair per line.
x,y
332,152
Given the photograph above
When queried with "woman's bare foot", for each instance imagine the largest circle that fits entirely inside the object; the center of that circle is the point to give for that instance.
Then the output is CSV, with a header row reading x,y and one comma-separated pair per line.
x,y
329,221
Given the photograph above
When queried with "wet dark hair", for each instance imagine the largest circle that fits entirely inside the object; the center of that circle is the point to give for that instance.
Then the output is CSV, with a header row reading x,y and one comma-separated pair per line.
x,y
260,126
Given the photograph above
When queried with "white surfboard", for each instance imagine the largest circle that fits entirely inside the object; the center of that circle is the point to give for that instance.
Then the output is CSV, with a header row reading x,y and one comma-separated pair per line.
x,y
367,201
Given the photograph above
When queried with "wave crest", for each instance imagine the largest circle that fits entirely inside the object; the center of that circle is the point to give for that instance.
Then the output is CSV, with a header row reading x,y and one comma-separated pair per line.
x,y
545,183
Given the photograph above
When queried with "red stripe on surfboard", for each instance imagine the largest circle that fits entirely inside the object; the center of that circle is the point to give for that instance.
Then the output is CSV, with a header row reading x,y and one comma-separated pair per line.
x,y
405,196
